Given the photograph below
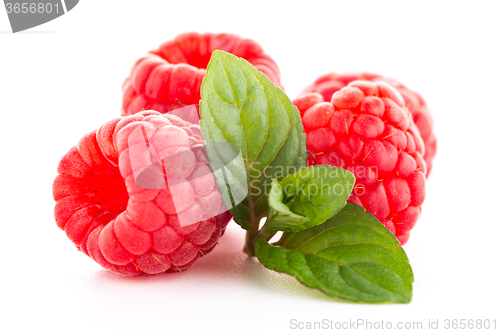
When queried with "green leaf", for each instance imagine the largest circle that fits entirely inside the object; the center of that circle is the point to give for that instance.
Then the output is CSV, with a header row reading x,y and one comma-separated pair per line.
x,y
308,197
241,106
351,256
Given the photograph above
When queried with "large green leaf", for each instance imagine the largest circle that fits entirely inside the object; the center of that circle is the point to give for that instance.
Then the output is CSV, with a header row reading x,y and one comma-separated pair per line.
x,y
241,106
308,197
351,256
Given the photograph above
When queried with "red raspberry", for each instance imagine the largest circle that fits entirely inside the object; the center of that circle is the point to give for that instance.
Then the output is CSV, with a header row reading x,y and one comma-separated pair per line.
x,y
108,213
367,130
170,77
328,84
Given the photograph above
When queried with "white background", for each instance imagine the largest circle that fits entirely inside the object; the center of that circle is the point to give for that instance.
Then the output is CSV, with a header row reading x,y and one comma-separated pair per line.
x,y
63,79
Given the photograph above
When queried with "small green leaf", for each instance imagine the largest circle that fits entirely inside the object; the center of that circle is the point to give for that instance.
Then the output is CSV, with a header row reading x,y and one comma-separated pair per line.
x,y
241,106
351,256
308,197
278,211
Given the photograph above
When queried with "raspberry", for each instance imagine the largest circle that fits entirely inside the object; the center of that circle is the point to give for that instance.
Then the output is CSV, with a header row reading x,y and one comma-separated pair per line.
x,y
170,77
118,207
328,84
367,130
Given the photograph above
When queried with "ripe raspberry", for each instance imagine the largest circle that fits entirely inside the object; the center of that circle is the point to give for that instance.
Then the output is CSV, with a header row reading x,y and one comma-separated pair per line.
x,y
367,130
328,84
130,228
170,77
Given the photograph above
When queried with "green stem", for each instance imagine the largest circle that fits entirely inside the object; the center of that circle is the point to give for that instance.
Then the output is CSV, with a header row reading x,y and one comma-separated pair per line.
x,y
248,249
254,234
